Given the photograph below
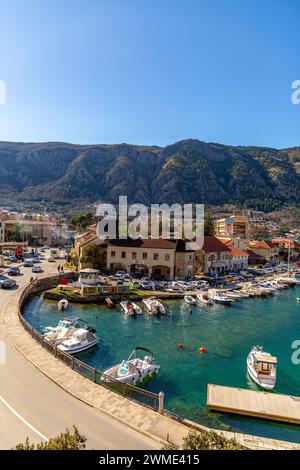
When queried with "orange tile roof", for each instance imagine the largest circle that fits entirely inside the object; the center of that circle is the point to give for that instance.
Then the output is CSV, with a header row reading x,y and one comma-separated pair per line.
x,y
237,252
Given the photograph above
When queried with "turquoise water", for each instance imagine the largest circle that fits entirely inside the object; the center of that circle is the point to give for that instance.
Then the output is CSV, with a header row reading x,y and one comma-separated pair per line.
x,y
228,334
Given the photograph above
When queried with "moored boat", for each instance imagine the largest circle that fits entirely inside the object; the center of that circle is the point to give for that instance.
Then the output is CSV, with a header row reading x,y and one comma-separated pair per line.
x,y
131,308
154,306
134,369
220,298
262,367
81,340
63,304
189,299
204,298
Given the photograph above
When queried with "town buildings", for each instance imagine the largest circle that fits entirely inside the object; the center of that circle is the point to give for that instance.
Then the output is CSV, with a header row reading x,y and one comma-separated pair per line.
x,y
233,226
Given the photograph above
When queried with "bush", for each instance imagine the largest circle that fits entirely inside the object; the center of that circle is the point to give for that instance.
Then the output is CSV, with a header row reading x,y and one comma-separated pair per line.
x,y
64,441
206,440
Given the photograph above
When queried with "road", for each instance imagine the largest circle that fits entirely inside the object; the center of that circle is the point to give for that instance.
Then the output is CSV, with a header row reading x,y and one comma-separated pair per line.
x,y
32,405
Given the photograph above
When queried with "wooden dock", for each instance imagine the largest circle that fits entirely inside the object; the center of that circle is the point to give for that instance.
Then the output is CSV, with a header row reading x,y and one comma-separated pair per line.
x,y
264,405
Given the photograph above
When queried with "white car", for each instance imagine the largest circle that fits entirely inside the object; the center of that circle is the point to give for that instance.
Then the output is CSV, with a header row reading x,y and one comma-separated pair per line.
x,y
37,269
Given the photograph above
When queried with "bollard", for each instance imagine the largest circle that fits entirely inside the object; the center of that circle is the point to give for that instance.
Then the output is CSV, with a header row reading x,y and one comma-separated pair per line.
x,y
161,396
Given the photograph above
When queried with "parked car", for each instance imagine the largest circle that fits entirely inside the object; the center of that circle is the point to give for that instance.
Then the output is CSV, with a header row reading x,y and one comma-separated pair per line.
x,y
13,271
51,260
37,269
28,264
6,283
13,259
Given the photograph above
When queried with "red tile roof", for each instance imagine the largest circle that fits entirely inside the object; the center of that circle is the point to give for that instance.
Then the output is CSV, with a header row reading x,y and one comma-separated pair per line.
x,y
237,252
214,245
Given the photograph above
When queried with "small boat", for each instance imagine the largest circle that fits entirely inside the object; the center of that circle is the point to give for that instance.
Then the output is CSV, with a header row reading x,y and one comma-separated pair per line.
x,y
234,295
130,308
154,306
220,298
134,369
287,280
262,367
81,340
66,323
189,299
63,304
204,299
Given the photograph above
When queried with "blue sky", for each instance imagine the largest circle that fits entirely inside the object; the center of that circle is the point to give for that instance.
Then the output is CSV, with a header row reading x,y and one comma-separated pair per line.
x,y
150,71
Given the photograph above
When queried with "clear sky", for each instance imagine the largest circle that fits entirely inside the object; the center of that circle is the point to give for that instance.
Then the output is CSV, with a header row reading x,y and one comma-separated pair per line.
x,y
150,71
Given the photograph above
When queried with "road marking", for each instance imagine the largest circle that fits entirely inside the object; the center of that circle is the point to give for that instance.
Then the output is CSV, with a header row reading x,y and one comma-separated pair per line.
x,y
23,419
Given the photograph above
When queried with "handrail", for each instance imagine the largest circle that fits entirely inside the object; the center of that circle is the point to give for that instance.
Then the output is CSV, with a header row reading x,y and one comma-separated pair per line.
x,y
139,395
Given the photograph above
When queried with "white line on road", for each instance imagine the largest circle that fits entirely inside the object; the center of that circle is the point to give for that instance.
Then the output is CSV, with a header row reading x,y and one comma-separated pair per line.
x,y
23,419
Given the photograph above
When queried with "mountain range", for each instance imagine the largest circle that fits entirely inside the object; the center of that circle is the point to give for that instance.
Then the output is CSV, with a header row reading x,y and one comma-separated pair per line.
x,y
68,177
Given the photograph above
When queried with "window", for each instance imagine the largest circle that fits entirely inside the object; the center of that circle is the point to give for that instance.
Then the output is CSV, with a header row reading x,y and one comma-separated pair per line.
x,y
155,256
113,254
123,254
134,255
144,255
167,257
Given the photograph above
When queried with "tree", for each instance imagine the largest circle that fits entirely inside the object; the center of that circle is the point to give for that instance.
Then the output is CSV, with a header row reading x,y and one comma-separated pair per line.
x,y
94,256
64,441
81,221
209,226
206,440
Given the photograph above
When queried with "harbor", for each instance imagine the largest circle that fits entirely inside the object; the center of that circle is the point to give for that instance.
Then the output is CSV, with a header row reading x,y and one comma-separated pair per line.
x,y
227,334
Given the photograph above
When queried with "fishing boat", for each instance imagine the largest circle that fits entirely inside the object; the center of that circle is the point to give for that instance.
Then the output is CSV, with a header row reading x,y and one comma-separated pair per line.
x,y
189,299
63,304
81,340
130,308
134,369
235,295
154,306
262,367
204,298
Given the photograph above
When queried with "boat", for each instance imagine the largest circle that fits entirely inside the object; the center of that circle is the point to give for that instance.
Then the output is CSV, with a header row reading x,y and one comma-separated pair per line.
x,y
204,298
235,295
130,308
134,369
189,299
63,304
220,298
262,367
81,340
154,306
287,280
63,324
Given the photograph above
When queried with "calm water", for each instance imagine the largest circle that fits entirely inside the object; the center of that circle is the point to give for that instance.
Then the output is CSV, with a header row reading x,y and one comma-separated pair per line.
x,y
227,332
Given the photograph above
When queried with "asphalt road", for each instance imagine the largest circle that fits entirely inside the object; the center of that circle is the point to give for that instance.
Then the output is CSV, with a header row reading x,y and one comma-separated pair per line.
x,y
33,406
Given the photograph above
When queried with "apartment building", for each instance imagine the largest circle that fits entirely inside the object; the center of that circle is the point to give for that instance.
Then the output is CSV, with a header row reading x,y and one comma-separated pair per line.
x,y
234,226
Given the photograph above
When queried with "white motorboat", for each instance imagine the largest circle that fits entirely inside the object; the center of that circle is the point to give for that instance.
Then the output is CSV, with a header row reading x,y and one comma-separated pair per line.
x,y
234,295
81,340
64,324
63,304
189,299
262,367
154,306
287,280
130,308
134,369
221,298
204,298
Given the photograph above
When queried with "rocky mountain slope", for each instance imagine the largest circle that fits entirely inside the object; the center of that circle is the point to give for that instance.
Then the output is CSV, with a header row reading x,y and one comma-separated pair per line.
x,y
70,176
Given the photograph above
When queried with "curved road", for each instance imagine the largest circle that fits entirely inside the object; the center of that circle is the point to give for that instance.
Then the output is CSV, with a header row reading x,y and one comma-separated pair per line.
x,y
32,405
